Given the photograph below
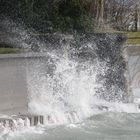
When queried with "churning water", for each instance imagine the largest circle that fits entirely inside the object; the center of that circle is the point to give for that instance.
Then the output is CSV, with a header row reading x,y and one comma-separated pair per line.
x,y
106,126
81,87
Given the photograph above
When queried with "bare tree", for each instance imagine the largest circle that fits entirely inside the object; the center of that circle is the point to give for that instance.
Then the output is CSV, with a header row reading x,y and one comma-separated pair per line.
x,y
100,12
121,14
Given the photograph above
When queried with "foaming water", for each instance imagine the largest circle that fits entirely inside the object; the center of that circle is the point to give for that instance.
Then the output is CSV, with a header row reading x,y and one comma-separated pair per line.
x,y
108,126
65,88
65,91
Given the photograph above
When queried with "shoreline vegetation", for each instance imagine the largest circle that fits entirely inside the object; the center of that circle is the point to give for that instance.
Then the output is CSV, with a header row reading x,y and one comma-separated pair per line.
x,y
70,17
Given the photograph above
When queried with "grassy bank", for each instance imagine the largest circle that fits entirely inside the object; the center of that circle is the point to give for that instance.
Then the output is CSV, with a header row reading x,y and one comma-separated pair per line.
x,y
9,50
133,38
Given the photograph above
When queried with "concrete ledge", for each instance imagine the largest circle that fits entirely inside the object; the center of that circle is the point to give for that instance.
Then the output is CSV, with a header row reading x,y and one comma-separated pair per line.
x,y
13,81
18,122
133,50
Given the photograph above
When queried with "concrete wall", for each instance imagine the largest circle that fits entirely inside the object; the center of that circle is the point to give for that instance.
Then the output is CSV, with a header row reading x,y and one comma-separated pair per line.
x,y
134,68
13,89
13,78
13,82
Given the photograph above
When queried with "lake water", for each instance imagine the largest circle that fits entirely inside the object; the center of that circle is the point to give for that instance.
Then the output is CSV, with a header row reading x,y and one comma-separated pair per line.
x,y
105,126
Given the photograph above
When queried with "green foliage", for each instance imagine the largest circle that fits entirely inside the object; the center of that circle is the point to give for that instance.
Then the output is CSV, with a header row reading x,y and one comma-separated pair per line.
x,y
72,15
51,15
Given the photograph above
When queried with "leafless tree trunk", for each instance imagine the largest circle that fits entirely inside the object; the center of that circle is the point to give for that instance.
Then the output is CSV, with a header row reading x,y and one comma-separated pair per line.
x,y
136,18
100,12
